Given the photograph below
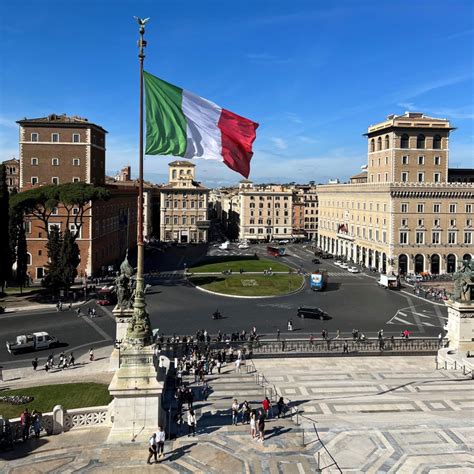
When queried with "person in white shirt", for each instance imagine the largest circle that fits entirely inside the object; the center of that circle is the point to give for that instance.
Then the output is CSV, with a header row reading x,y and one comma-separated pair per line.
x,y
191,423
237,365
160,441
152,448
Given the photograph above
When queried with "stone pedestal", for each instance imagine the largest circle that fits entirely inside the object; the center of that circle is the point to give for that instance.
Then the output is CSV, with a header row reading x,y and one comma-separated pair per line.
x,y
460,327
136,411
122,318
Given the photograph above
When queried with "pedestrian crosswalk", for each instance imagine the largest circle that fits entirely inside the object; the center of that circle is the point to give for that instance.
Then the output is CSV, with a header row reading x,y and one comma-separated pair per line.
x,y
346,274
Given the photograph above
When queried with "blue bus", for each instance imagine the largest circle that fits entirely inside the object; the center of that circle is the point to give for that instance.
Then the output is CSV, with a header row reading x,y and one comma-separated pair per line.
x,y
318,280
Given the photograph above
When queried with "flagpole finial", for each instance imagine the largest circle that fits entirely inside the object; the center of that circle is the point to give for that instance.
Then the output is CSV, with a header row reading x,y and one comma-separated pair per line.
x,y
141,42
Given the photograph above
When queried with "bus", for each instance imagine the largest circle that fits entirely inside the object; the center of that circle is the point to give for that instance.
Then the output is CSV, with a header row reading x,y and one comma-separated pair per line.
x,y
318,280
276,251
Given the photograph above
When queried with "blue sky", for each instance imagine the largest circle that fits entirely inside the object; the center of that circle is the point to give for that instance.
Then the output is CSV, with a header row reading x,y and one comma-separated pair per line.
x,y
314,74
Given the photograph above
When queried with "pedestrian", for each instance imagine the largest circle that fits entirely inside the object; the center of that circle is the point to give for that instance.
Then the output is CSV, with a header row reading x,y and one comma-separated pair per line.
x,y
34,363
440,339
36,419
191,423
406,334
290,325
179,422
70,307
91,354
25,421
235,411
278,335
245,412
345,348
380,334
78,312
381,344
60,306
266,406
160,441
261,427
237,365
152,449
311,340
253,429
57,306
281,407
338,334
71,360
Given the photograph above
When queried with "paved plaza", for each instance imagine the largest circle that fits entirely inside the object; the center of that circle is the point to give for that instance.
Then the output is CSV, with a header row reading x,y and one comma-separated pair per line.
x,y
374,414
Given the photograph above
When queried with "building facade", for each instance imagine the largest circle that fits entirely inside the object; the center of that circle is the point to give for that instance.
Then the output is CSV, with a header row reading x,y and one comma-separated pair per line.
x,y
12,171
184,206
265,212
406,218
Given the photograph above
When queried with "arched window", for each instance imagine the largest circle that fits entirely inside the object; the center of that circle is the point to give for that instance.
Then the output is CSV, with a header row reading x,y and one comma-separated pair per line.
x,y
404,141
437,142
387,142
173,174
372,145
420,141
379,143
28,258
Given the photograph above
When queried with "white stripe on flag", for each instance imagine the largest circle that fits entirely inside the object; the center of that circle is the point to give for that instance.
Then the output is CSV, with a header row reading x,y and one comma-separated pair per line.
x,y
203,135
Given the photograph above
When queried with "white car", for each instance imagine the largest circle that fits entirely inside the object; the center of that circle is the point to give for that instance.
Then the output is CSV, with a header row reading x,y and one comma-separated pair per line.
x,y
243,245
353,270
337,262
344,265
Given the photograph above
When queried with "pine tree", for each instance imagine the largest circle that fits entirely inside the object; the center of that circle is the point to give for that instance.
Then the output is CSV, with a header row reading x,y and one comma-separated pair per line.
x,y
21,257
69,260
53,279
5,254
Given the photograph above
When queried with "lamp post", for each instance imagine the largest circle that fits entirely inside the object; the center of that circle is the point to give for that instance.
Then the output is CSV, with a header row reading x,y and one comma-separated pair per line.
x,y
139,328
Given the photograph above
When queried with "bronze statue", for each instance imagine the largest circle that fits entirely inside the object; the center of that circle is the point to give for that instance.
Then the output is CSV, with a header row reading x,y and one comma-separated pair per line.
x,y
463,282
125,285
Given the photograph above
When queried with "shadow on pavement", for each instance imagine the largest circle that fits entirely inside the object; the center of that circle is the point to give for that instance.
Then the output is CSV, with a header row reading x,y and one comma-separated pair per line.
x,y
22,449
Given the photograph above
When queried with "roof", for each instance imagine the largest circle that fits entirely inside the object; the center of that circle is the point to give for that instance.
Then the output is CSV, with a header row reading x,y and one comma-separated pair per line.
x,y
182,163
62,120
176,186
362,174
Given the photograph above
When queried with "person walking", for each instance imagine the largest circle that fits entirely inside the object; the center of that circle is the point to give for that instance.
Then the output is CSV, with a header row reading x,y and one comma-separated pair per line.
x,y
91,354
345,348
237,365
34,363
290,325
160,441
278,335
191,423
266,407
152,449
71,360
253,421
261,427
281,407
235,411
246,412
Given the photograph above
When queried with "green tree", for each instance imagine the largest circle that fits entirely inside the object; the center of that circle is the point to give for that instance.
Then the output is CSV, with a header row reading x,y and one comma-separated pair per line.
x,y
53,279
21,257
5,254
69,260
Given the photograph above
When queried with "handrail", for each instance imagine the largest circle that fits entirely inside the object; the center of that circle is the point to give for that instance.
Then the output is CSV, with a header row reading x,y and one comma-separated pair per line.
x,y
334,462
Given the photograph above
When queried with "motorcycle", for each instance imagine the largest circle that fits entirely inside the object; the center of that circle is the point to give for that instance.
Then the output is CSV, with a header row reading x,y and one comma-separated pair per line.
x,y
216,315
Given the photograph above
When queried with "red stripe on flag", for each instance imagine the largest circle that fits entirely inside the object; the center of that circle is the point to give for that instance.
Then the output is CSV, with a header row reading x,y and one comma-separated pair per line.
x,y
238,135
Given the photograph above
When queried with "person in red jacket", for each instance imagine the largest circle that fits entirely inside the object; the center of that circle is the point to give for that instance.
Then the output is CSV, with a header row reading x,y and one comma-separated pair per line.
x,y
266,406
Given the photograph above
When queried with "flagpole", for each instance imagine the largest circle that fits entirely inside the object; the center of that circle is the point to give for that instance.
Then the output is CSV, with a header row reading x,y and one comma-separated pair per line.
x,y
139,329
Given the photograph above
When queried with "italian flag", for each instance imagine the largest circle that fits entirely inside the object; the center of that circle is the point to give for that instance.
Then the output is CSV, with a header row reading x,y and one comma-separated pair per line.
x,y
180,123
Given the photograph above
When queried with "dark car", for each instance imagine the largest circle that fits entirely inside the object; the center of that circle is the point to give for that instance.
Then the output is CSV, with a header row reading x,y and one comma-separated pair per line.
x,y
326,255
312,312
316,260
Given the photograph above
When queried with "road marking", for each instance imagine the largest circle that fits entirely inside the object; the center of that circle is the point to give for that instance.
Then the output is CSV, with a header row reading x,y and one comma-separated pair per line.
x,y
415,316
396,318
427,324
97,328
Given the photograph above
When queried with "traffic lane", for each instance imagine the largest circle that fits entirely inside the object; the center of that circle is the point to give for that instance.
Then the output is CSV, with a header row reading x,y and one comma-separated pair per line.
x,y
70,329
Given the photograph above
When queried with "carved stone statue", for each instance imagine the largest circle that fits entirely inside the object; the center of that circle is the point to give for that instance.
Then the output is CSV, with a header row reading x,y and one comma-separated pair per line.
x,y
125,285
463,282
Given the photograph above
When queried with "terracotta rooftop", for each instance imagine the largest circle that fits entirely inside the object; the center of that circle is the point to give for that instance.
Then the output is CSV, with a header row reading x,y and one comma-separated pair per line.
x,y
62,119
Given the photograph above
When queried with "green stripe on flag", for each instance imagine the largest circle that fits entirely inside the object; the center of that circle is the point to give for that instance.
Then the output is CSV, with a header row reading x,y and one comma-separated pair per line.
x,y
165,121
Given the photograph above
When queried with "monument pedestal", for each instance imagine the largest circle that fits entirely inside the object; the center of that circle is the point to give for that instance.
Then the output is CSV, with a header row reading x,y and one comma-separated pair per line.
x,y
137,410
122,318
460,327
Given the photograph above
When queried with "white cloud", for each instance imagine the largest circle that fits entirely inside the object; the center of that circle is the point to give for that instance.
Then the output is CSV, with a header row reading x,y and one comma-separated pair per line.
x,y
279,143
292,117
8,123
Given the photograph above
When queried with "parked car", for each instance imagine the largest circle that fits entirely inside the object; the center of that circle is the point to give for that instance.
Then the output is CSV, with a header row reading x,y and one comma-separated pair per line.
x,y
32,342
353,270
344,265
312,312
284,242
243,245
337,262
326,255
316,261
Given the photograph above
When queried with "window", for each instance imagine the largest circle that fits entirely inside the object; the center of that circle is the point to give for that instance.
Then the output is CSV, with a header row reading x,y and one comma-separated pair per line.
x,y
435,238
436,222
34,137
55,161
28,227
387,142
420,208
404,176
386,177
386,160
54,211
468,222
34,161
436,208
421,160
468,208
421,177
420,142
76,138
55,137
404,141
404,160
468,237
404,222
34,180
420,222
55,180
76,179
372,145
28,258
260,231
437,142
437,160
184,220
451,236
378,177
175,220
420,237
403,237
452,222
74,229
379,143
167,220
404,207
437,177
252,231
40,252
51,225
452,208
76,162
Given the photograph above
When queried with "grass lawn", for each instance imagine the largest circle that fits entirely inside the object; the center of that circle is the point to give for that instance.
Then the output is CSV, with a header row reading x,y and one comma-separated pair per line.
x,y
73,395
250,285
235,263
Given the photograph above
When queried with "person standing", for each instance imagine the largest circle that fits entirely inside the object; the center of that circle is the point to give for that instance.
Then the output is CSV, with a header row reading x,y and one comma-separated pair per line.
x,y
266,406
191,422
281,406
71,359
36,416
235,411
160,441
25,421
261,427
152,449
278,335
345,348
34,363
237,365
91,354
253,421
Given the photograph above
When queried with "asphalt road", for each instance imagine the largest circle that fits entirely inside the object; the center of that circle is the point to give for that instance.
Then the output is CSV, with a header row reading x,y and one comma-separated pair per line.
x,y
176,307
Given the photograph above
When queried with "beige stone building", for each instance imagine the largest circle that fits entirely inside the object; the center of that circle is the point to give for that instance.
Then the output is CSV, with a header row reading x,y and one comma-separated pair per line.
x,y
265,212
183,206
12,171
406,218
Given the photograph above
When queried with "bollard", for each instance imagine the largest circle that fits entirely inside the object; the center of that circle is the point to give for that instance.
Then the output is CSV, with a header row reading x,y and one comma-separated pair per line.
x,y
445,365
455,365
